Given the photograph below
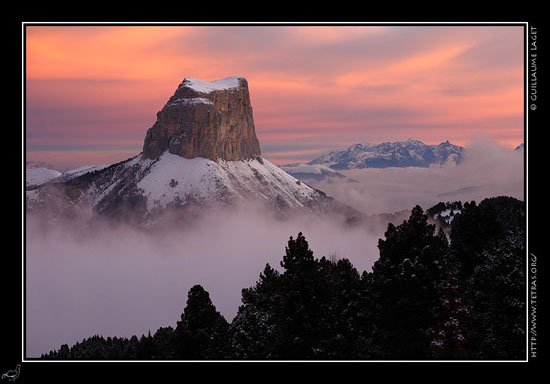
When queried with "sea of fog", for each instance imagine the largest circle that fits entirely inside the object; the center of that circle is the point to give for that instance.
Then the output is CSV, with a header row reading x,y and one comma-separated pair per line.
x,y
487,170
120,282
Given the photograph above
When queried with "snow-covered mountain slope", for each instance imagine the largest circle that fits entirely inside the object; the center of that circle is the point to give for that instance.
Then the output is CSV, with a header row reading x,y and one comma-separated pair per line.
x,y
39,175
144,189
173,178
314,173
410,153
77,172
202,152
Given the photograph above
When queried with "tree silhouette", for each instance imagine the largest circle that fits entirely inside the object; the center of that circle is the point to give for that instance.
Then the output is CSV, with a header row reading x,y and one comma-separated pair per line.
x,y
201,332
403,287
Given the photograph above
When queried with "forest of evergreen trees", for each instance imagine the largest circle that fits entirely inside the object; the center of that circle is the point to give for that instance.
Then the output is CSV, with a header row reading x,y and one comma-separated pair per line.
x,y
431,295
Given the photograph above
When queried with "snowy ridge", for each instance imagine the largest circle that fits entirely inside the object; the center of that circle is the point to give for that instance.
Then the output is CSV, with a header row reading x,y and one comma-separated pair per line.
x,y
40,175
71,174
37,176
204,86
146,188
410,153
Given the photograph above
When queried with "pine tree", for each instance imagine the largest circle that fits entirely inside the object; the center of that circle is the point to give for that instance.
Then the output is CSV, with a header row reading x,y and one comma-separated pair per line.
x,y
301,305
146,348
64,352
257,329
164,343
452,335
488,242
403,287
299,258
308,312
497,290
339,330
202,331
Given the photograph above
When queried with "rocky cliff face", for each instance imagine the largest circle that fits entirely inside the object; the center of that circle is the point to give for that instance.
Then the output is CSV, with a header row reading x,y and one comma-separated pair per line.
x,y
201,155
205,119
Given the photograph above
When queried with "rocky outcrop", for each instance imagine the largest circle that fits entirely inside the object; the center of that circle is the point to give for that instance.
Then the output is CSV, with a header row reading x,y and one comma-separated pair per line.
x,y
178,174
205,119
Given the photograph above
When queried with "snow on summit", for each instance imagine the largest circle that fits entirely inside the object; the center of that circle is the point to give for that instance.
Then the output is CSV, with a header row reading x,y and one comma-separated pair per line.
x,y
204,86
202,153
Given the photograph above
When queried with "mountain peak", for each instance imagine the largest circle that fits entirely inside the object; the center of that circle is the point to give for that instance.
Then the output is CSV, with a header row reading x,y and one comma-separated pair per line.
x,y
410,153
201,154
209,119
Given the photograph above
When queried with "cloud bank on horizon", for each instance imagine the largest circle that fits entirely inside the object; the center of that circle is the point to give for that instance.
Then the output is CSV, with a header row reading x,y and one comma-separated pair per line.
x,y
488,170
92,92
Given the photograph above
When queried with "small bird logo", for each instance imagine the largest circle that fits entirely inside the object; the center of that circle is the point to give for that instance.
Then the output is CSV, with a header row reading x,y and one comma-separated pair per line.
x,y
12,374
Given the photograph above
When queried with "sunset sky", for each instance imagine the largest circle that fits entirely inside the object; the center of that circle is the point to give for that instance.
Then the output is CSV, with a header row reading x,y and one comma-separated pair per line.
x,y
92,92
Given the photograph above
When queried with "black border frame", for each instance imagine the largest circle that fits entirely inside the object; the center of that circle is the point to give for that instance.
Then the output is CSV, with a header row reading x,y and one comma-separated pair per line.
x,y
534,120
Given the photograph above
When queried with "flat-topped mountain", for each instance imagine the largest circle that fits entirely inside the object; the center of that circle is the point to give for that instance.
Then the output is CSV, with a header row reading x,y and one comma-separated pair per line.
x,y
202,153
206,119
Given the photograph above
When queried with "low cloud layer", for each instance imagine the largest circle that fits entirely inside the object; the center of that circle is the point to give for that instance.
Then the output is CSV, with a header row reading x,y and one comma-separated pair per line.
x,y
488,170
119,282
124,281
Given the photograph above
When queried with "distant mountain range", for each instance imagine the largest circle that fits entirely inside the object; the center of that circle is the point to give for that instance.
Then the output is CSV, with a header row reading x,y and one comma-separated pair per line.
x,y
202,152
410,153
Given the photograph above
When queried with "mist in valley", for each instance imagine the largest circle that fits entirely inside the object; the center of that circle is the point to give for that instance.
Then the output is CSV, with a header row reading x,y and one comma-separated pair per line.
x,y
120,281
487,170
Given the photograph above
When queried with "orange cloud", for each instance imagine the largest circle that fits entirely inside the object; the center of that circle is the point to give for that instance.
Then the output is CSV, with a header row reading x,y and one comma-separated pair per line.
x,y
98,52
322,85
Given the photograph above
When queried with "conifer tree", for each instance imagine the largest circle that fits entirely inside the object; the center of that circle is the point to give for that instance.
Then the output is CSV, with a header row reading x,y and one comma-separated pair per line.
x,y
403,285
201,332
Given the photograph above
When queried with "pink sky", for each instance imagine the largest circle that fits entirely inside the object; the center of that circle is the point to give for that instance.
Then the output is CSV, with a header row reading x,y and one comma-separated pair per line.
x,y
92,92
